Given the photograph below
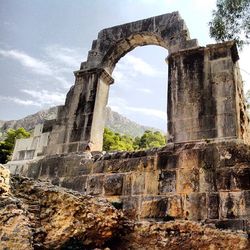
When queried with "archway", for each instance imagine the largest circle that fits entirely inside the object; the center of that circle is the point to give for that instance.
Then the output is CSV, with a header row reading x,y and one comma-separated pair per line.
x,y
80,122
139,91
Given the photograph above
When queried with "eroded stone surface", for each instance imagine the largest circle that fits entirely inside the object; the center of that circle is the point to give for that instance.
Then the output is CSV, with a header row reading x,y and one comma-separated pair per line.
x,y
37,214
180,235
4,180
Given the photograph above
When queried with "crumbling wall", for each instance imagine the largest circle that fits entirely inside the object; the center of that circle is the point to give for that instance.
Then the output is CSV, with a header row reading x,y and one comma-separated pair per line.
x,y
36,215
206,182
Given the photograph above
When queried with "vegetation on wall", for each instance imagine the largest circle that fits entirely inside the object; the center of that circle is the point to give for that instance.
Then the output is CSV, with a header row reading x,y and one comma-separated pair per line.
x,y
8,144
116,142
231,21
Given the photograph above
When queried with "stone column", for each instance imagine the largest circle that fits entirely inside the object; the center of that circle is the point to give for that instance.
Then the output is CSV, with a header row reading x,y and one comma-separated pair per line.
x,y
80,124
204,94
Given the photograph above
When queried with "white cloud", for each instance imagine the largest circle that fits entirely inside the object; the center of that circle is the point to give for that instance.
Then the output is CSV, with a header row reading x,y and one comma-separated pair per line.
x,y
19,101
130,67
44,97
67,56
32,63
38,98
140,66
58,66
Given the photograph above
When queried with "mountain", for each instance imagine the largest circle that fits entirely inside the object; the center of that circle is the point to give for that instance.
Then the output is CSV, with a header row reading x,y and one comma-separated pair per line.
x,y
114,121
123,125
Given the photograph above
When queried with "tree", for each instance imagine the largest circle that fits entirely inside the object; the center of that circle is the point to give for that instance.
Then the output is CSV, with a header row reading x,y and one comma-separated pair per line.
x,y
8,144
151,140
117,142
114,141
231,21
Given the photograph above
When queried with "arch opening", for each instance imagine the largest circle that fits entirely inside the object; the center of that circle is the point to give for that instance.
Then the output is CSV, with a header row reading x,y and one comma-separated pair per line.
x,y
139,93
124,46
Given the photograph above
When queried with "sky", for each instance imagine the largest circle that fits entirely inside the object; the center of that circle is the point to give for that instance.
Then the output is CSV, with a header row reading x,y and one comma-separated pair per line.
x,y
43,41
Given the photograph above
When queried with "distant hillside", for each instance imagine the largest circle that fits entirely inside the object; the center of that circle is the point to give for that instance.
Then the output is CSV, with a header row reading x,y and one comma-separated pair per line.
x,y
114,121
123,125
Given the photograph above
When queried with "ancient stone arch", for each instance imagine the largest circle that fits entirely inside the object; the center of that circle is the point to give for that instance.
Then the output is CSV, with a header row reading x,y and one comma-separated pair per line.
x,y
168,31
204,92
202,176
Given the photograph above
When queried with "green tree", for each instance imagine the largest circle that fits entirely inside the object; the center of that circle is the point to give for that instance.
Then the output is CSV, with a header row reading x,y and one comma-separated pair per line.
x,y
7,145
231,21
151,140
117,142
114,141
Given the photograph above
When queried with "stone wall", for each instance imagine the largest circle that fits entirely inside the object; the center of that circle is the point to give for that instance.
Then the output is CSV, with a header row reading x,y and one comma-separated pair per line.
x,y
37,215
205,95
206,181
30,148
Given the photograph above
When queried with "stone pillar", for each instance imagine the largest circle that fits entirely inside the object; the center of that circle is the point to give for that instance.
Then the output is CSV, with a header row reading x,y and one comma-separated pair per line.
x,y
80,123
205,94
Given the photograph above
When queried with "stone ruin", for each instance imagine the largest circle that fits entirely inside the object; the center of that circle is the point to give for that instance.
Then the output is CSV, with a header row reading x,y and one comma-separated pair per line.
x,y
202,174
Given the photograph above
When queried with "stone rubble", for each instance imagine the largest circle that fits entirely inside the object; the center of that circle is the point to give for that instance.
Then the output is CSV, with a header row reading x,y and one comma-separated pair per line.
x,y
35,214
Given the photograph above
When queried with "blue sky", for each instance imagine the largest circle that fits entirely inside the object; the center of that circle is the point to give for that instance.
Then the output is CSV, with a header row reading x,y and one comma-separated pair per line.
x,y
43,41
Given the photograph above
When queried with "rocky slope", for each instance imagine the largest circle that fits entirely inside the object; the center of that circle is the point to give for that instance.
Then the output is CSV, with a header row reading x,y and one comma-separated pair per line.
x,y
114,121
38,215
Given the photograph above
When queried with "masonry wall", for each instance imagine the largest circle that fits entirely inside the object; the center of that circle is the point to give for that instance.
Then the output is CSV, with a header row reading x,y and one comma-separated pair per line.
x,y
206,182
205,95
33,147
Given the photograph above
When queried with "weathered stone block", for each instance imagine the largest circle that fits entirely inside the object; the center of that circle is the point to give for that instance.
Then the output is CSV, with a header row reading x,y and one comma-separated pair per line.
x,y
85,167
188,159
98,167
175,206
233,179
207,180
167,160
131,206
34,170
187,180
95,184
241,178
195,206
152,182
167,182
78,183
154,208
213,203
127,184
138,183
223,179
113,184
52,168
232,205
122,165
72,147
